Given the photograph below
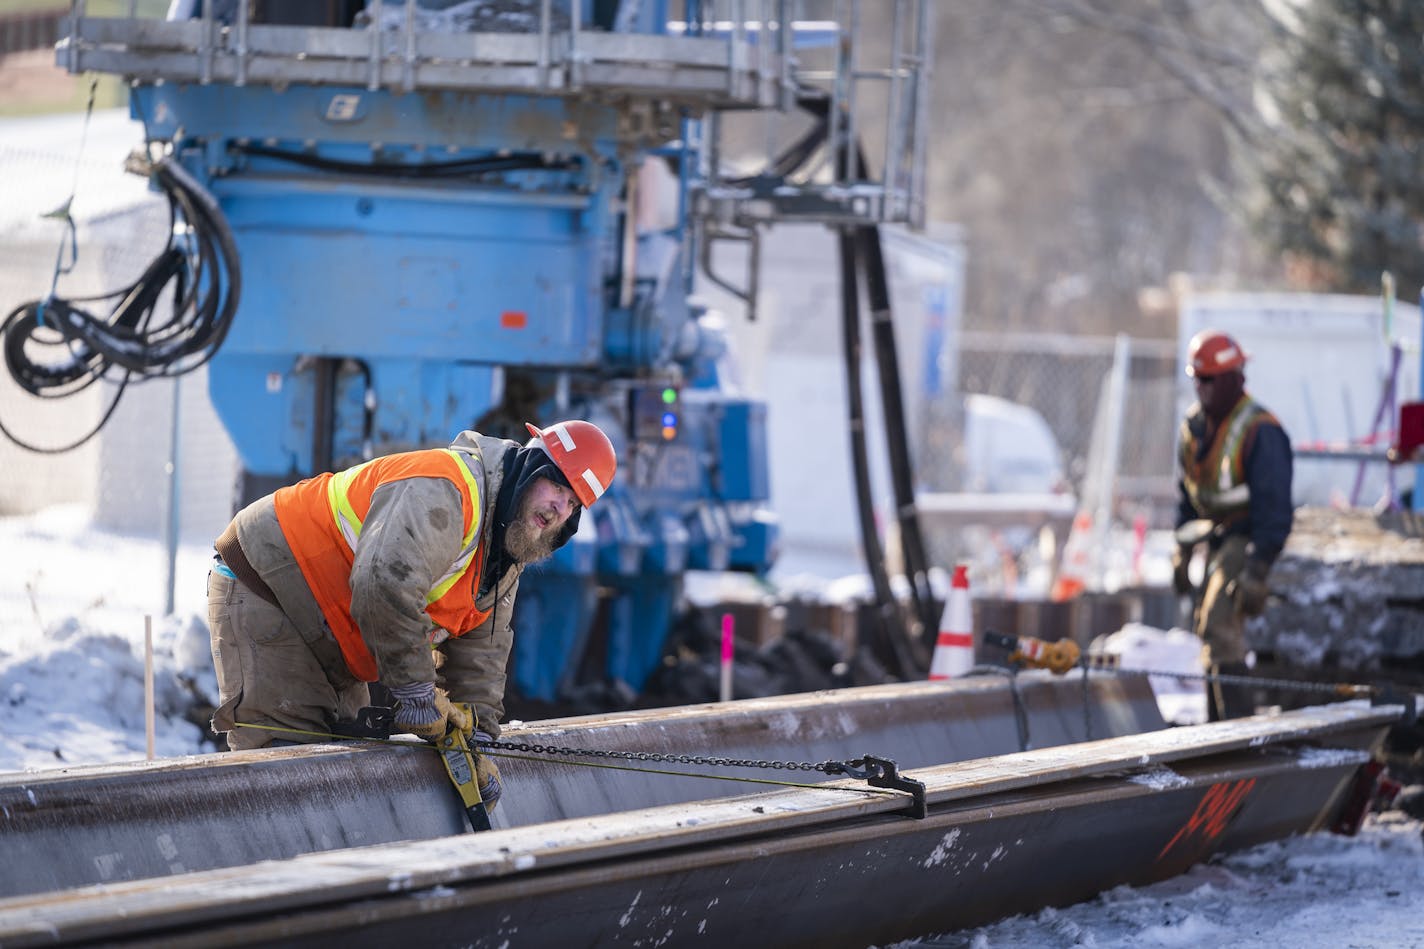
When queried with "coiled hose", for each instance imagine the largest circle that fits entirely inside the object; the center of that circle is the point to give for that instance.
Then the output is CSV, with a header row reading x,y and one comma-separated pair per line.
x,y
56,347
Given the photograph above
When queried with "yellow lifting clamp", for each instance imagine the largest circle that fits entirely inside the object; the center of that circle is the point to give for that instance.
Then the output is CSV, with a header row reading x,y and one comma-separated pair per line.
x,y
1057,657
459,761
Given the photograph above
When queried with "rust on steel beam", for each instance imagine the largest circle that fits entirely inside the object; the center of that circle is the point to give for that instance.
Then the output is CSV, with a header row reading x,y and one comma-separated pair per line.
x,y
113,823
1131,810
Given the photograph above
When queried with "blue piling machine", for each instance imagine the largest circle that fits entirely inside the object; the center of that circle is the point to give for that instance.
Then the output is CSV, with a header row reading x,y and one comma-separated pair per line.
x,y
471,215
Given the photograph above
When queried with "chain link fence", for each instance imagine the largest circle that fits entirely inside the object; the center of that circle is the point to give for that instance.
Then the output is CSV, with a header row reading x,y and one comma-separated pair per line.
x,y
1053,390
1062,378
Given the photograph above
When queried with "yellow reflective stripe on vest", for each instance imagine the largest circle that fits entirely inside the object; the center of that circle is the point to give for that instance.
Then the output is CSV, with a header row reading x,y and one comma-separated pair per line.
x,y
347,520
1232,465
1222,490
349,523
472,536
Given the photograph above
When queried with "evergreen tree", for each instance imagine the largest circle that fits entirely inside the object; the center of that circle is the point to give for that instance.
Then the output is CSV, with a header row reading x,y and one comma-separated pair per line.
x,y
1339,172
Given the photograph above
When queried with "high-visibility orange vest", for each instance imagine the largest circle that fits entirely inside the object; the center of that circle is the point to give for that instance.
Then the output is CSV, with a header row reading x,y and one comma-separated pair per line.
x,y
321,519
1216,481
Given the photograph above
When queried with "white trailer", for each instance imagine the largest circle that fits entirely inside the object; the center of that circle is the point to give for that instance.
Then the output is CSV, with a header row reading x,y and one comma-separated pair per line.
x,y
1324,365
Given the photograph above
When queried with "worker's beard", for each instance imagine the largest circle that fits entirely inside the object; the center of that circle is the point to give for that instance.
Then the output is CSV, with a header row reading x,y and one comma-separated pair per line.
x,y
526,543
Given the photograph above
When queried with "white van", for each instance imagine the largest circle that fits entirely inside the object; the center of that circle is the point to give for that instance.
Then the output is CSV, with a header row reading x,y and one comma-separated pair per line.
x,y
1008,448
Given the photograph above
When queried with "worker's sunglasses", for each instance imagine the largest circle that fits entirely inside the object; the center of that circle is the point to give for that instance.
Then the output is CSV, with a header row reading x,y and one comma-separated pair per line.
x,y
1205,380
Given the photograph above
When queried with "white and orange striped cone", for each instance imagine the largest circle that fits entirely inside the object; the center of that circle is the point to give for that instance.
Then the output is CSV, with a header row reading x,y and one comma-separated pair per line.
x,y
1073,571
954,650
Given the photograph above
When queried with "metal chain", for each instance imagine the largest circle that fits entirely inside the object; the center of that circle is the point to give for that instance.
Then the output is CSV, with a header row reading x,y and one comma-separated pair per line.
x,y
825,767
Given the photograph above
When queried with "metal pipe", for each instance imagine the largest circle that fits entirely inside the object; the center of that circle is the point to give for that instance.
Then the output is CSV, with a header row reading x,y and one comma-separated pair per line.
x,y
373,78
894,121
685,175
205,45
629,274
925,29
770,121
76,13
242,19
853,169
834,145
544,13
170,533
753,272
408,65
736,53
575,71
783,39
747,296
712,153
763,38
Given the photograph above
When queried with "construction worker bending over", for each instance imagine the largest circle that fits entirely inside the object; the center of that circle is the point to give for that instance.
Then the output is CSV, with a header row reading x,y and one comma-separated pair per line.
x,y
1234,485
403,569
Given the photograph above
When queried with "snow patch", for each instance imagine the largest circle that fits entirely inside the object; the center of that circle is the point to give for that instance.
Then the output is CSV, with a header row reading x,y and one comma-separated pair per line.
x,y
627,916
72,663
942,850
1331,757
1159,778
434,892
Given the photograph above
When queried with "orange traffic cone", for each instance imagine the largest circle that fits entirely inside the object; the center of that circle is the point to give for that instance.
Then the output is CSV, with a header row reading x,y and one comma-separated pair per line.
x,y
1073,572
954,651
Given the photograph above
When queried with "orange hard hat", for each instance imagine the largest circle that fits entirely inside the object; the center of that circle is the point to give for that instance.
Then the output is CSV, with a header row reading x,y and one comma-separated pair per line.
x,y
1212,352
583,453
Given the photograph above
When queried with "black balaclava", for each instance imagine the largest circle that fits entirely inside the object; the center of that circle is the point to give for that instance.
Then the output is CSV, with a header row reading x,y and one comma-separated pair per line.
x,y
522,466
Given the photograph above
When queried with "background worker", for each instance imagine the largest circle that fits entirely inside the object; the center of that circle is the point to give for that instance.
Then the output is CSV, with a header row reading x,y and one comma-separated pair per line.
x,y
403,569
1234,466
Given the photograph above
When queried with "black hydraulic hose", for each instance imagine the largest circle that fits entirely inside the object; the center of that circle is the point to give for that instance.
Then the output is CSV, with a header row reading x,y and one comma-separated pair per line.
x,y
912,542
200,263
887,611
861,247
463,167
796,155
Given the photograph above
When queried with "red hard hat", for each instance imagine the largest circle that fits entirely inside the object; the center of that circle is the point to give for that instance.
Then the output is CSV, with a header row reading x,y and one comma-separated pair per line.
x,y
1212,352
583,453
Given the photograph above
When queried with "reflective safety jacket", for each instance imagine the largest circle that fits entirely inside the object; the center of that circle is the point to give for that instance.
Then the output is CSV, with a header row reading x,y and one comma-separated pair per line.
x,y
1240,478
323,518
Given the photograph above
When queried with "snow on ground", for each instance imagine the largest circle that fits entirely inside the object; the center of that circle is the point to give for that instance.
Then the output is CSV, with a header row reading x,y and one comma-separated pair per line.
x,y
1138,646
1319,890
73,603
72,606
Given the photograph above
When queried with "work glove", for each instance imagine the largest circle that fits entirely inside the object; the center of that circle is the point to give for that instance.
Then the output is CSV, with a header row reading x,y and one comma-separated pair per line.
x,y
1181,562
1251,589
425,711
490,785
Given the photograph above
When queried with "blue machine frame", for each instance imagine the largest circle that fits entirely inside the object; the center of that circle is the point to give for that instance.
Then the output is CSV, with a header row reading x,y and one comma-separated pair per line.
x,y
434,299
438,230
